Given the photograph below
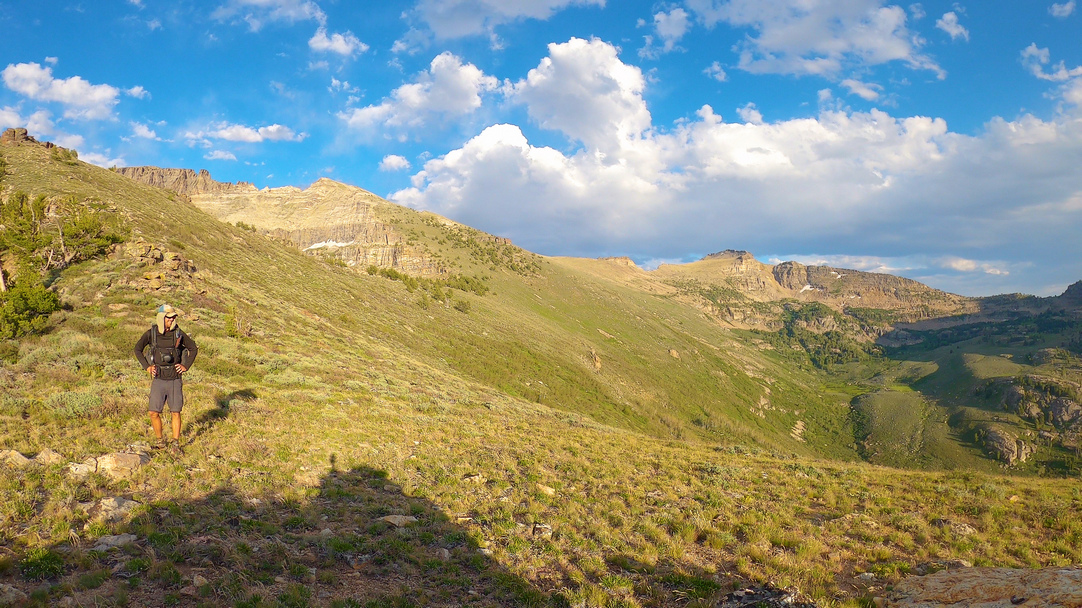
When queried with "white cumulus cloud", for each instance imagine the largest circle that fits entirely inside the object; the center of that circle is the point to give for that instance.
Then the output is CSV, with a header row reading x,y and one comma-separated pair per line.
x,y
449,89
1062,11
1035,59
716,72
821,38
80,98
670,27
584,90
394,162
346,45
949,23
899,186
143,131
245,134
220,155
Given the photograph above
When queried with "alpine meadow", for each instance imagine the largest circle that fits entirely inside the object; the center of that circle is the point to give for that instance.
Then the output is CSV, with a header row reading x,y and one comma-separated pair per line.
x,y
389,408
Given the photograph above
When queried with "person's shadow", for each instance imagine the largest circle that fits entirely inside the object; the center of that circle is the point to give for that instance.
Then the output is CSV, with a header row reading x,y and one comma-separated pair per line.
x,y
224,403
357,540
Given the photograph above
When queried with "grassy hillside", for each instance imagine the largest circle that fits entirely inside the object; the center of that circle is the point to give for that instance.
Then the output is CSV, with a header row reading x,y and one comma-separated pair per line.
x,y
566,438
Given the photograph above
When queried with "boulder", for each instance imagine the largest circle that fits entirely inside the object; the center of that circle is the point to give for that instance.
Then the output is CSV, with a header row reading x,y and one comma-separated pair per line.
x,y
121,464
14,458
1005,446
990,588
48,457
112,509
111,542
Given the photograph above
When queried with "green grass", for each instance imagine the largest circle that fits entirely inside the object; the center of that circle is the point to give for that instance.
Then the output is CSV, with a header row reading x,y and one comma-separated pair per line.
x,y
664,471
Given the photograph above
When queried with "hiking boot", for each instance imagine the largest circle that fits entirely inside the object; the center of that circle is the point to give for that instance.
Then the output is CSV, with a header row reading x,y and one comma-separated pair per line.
x,y
176,449
160,444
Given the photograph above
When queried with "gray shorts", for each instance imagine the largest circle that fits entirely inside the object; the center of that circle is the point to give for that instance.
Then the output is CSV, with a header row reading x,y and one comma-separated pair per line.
x,y
166,391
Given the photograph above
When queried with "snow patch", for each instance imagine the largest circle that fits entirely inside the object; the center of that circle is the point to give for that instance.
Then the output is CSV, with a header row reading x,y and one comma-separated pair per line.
x,y
329,244
806,288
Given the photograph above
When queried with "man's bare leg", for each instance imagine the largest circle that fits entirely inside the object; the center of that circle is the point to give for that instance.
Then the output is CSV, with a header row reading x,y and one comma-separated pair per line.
x,y
156,424
176,426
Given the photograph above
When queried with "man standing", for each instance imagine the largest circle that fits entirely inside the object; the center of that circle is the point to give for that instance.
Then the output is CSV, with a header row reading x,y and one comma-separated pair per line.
x,y
172,353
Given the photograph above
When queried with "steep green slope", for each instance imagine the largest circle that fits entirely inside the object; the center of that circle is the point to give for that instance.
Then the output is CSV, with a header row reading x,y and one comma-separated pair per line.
x,y
325,400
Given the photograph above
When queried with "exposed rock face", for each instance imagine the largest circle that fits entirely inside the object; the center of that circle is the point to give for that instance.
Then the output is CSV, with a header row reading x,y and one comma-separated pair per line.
x,y
791,275
182,181
621,261
18,136
1005,446
327,217
990,588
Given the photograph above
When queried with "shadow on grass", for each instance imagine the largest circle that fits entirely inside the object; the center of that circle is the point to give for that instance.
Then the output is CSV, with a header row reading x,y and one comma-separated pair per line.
x,y
223,401
356,540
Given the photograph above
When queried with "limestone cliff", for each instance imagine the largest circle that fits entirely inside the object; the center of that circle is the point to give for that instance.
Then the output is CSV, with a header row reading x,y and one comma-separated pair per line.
x,y
182,181
328,217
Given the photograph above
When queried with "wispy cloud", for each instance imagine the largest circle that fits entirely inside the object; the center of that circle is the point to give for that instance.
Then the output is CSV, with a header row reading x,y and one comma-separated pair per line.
x,y
257,13
949,23
1062,11
394,162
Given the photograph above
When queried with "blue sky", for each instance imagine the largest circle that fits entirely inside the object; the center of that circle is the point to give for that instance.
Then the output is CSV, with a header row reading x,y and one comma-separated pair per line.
x,y
937,140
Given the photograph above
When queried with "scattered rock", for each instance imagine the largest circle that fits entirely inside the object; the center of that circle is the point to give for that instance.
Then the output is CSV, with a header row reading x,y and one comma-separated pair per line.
x,y
48,457
763,597
191,590
399,520
956,527
546,490
10,596
66,602
111,542
325,532
673,353
476,478
121,464
445,554
112,509
198,580
940,565
542,530
14,458
84,468
990,588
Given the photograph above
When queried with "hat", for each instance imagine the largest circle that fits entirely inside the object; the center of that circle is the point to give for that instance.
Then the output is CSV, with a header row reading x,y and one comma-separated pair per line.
x,y
164,311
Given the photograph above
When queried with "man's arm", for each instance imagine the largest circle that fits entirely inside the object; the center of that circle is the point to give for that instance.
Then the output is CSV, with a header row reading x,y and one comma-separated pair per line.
x,y
140,346
190,350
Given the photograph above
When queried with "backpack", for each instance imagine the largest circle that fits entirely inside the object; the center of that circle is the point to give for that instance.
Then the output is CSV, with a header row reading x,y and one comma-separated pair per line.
x,y
165,352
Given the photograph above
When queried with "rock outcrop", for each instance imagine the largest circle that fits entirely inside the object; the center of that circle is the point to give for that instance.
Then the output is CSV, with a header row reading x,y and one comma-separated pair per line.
x,y
989,588
1004,446
183,181
328,217
17,136
791,275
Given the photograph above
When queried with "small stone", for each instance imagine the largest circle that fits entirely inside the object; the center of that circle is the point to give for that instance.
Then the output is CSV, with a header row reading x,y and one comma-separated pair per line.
x,y
10,595
399,520
66,602
121,464
546,490
866,576
114,508
542,530
14,458
475,478
326,532
199,580
111,542
445,555
280,579
485,551
48,457
84,468
673,353
189,590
